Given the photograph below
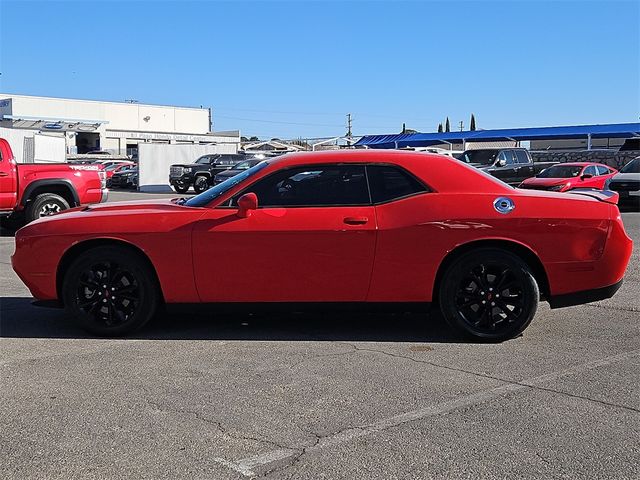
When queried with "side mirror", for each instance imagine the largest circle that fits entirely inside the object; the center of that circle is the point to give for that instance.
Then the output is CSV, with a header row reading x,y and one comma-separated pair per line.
x,y
585,176
501,163
246,203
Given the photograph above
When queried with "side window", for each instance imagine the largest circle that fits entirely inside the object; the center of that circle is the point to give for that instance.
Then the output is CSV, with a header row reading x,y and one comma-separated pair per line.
x,y
591,170
332,185
521,156
390,183
602,170
507,156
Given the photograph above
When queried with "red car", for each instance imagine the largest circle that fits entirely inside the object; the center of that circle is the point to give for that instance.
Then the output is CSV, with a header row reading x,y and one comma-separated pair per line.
x,y
117,167
568,176
355,228
34,190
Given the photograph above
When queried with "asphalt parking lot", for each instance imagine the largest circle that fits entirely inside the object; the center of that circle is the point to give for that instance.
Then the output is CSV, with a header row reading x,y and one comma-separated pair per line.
x,y
320,396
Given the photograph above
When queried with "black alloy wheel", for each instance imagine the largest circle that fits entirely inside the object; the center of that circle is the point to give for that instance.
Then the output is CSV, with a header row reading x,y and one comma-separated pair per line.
x,y
110,291
489,294
200,184
181,189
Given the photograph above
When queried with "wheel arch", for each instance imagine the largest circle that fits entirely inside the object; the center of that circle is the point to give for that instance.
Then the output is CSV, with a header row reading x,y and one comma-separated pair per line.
x,y
61,187
512,246
77,249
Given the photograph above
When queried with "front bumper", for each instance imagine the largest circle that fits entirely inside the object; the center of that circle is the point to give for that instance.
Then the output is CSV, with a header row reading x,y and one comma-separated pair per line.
x,y
182,181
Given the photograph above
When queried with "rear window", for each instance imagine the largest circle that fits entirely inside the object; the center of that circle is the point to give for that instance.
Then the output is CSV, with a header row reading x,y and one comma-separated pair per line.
x,y
390,183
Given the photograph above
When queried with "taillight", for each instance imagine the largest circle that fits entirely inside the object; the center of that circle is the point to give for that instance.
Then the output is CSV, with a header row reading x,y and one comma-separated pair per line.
x,y
103,178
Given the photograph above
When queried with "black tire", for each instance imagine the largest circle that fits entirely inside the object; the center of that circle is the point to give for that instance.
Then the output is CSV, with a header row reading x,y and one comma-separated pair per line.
x,y
500,279
110,291
200,184
44,205
181,189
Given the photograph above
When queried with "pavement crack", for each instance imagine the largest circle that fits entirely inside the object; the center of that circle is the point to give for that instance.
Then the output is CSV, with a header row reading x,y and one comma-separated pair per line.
x,y
218,425
491,377
633,309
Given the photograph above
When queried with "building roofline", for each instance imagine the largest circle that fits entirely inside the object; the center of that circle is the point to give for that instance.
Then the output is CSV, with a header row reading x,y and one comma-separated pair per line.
x,y
7,95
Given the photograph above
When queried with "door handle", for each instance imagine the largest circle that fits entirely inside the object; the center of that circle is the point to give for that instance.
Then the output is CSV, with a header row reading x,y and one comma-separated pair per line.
x,y
356,220
4,174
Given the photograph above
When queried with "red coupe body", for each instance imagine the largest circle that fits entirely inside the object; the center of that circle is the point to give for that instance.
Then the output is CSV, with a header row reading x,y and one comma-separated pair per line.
x,y
569,176
391,247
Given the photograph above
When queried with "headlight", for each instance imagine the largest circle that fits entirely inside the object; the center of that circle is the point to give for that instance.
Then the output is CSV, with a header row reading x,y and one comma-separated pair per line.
x,y
187,170
557,188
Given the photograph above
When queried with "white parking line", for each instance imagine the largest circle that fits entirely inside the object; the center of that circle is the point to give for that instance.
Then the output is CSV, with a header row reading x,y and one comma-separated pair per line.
x,y
247,465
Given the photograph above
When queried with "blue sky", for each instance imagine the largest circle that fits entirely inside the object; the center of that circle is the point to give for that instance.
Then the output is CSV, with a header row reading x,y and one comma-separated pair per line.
x,y
295,69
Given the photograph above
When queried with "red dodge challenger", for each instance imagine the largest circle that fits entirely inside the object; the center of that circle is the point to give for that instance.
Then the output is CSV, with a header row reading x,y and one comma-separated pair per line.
x,y
359,228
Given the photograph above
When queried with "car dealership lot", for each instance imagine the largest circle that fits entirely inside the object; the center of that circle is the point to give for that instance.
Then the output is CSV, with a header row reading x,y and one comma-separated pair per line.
x,y
319,395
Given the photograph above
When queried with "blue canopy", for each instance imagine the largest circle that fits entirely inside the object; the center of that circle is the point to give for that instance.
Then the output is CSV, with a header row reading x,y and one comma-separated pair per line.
x,y
613,130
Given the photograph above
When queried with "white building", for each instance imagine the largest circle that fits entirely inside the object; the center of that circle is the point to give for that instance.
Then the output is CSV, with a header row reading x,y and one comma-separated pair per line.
x,y
115,127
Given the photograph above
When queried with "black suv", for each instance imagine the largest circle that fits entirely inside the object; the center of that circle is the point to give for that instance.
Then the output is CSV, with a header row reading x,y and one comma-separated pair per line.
x,y
200,174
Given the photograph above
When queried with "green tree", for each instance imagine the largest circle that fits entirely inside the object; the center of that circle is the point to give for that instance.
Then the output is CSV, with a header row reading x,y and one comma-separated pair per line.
x,y
447,126
473,122
440,127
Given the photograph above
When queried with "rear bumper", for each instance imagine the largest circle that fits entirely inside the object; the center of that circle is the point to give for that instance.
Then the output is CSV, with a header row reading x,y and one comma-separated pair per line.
x,y
584,296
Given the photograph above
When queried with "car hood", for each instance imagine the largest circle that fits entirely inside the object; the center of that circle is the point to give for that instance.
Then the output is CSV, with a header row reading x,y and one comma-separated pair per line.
x,y
625,177
229,173
191,165
105,218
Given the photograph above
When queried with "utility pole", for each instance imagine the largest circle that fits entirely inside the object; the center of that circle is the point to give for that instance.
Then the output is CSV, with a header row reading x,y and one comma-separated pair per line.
x,y
461,125
349,134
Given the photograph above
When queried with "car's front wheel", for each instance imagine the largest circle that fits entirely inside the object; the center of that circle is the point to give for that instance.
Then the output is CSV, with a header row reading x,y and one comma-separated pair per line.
x,y
181,189
110,291
489,294
200,184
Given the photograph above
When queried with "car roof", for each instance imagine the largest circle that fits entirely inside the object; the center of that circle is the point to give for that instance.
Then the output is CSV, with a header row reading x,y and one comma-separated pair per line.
x,y
442,173
582,164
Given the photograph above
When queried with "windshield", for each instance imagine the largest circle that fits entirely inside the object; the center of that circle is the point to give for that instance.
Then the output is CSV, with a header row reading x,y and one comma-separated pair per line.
x,y
203,160
483,157
214,192
560,171
243,165
632,167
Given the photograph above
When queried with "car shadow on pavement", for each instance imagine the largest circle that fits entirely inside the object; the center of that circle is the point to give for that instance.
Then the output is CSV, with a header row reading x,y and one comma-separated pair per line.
x,y
20,319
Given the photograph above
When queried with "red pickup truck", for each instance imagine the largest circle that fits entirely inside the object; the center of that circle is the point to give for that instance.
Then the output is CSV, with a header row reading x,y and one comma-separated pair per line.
x,y
38,190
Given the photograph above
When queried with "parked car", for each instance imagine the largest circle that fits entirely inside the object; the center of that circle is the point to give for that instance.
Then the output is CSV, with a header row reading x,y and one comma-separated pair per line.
x,y
30,191
116,168
627,183
236,169
125,178
201,173
334,229
511,165
567,176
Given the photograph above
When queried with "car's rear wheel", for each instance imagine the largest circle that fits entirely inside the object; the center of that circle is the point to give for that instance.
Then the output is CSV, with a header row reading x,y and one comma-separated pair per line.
x,y
44,205
200,184
110,291
181,189
489,294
